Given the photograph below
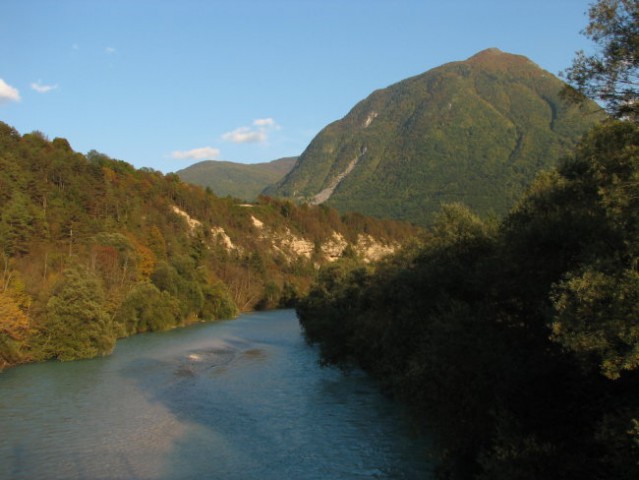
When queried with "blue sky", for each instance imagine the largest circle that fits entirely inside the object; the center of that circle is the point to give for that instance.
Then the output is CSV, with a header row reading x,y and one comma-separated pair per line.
x,y
165,84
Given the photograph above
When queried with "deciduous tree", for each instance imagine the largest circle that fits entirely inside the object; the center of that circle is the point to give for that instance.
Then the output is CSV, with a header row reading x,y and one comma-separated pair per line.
x,y
77,325
611,74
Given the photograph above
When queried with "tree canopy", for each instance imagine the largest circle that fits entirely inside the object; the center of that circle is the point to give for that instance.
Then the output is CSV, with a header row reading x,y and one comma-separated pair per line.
x,y
611,74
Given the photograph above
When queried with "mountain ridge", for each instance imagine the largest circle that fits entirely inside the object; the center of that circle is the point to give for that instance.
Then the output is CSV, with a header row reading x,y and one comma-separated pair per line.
x,y
239,180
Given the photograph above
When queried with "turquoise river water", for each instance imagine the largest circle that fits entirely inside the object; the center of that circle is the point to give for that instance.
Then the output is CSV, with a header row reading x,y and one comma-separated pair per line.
x,y
234,400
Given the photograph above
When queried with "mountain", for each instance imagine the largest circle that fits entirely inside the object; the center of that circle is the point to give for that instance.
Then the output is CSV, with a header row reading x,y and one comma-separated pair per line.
x,y
474,131
239,180
92,250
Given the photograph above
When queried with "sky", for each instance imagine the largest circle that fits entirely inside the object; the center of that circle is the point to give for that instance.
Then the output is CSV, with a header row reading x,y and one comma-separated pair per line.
x,y
166,84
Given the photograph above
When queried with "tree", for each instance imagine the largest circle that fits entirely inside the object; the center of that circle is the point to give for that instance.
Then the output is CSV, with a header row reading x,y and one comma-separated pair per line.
x,y
146,309
597,313
595,301
610,75
77,324
16,225
14,328
217,302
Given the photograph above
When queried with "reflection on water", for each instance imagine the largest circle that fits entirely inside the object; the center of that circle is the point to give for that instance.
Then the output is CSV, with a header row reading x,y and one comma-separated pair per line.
x,y
242,399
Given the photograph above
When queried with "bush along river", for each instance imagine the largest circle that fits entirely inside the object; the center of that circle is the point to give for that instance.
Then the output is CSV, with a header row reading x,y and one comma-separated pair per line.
x,y
242,399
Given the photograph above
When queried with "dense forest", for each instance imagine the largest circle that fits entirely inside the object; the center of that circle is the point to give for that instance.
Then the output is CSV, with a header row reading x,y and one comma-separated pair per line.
x,y
515,342
92,250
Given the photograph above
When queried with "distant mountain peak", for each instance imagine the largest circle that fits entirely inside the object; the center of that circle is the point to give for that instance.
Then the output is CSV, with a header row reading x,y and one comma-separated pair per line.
x,y
498,58
488,51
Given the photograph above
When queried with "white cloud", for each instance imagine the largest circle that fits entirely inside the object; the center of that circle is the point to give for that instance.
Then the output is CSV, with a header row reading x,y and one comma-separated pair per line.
x,y
41,88
204,153
245,135
75,46
250,134
264,122
110,50
8,93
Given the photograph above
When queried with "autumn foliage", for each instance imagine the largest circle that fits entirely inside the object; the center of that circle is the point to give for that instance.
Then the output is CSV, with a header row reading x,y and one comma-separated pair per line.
x,y
93,250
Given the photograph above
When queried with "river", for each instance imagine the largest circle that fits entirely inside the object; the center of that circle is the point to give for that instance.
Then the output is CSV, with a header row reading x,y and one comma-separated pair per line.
x,y
234,400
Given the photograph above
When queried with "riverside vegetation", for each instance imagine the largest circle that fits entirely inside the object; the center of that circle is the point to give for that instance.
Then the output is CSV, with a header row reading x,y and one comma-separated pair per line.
x,y
92,250
515,342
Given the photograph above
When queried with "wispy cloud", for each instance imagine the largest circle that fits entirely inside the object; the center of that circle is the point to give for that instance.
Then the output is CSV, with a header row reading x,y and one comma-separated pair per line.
x,y
203,153
258,133
265,122
245,135
42,88
75,46
110,50
8,93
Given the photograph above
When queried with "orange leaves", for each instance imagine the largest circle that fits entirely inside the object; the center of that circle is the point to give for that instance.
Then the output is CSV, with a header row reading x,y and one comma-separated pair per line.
x,y
146,259
13,321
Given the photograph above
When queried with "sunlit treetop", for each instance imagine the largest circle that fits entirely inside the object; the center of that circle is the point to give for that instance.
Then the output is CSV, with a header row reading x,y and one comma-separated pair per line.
x,y
610,75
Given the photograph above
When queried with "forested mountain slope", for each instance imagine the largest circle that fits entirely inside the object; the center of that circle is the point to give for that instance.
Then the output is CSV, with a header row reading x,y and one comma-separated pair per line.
x,y
239,180
474,131
92,249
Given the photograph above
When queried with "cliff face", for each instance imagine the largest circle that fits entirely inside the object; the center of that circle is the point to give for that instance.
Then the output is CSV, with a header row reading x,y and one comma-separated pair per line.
x,y
369,248
283,241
